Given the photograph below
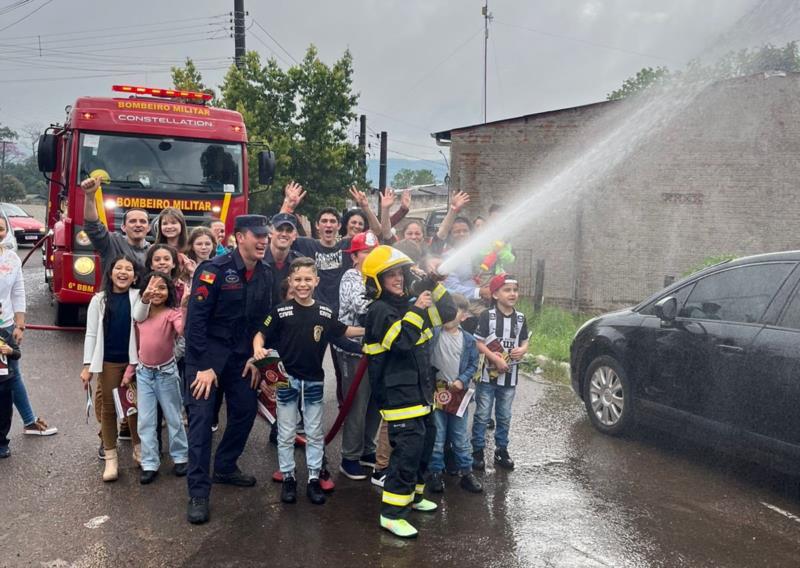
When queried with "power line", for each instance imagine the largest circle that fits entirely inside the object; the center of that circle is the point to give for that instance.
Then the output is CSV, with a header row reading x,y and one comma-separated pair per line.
x,y
579,40
439,64
272,51
414,157
13,6
26,16
71,77
269,35
125,27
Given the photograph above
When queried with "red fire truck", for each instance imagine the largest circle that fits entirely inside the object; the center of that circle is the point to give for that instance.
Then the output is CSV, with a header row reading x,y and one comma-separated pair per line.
x,y
159,148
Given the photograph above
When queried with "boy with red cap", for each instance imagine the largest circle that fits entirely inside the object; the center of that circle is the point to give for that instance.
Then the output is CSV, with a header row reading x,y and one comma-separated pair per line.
x,y
502,337
363,421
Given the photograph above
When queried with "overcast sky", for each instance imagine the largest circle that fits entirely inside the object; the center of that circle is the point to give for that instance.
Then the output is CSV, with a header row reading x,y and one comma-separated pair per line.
x,y
418,63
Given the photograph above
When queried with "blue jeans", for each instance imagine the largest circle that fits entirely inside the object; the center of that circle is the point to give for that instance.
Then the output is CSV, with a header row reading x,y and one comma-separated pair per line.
x,y
160,387
18,392
310,394
502,397
451,427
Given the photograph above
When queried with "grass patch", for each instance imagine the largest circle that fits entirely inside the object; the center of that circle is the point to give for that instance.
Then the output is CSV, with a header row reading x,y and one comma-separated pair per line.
x,y
553,329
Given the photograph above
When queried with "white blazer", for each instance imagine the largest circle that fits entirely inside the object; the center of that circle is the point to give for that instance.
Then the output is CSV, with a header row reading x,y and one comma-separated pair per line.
x,y
94,341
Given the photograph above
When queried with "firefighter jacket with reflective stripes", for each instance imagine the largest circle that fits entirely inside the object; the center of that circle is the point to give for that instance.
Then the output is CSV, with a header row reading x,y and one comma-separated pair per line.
x,y
397,342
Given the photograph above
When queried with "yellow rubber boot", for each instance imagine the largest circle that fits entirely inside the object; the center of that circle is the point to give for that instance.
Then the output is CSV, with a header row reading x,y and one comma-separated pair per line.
x,y
399,527
111,472
425,506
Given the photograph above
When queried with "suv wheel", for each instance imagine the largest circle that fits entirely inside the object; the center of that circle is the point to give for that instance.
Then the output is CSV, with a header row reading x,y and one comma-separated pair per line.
x,y
607,395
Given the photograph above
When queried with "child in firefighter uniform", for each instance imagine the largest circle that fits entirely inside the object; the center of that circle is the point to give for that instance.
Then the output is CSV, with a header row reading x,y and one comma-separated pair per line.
x,y
399,327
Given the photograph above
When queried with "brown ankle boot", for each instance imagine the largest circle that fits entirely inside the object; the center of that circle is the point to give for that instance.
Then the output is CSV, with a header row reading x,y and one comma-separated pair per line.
x,y
111,472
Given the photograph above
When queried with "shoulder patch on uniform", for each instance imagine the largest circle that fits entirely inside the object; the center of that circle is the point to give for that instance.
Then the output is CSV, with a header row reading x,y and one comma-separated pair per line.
x,y
208,277
268,321
201,293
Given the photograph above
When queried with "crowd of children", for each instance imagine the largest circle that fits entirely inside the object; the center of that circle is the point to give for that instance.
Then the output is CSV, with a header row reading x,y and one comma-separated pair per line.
x,y
429,351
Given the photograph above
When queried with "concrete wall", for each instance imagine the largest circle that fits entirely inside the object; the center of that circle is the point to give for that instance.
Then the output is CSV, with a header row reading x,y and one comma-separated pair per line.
x,y
721,178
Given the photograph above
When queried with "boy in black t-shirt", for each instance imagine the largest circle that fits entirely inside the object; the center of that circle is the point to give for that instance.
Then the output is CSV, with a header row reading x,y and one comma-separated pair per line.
x,y
300,330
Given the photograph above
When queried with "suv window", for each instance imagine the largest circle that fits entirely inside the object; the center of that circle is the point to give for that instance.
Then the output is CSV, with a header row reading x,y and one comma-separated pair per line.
x,y
740,294
791,315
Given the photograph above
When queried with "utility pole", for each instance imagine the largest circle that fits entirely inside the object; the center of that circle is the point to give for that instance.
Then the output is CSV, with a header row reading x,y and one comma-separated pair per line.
x,y
3,143
382,171
362,144
238,32
487,18
382,174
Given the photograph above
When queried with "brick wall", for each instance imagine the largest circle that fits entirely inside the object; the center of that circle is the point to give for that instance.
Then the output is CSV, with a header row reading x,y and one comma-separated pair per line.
x,y
721,178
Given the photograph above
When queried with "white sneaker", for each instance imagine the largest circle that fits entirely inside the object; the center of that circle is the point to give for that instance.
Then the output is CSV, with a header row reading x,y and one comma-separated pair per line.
x,y
40,428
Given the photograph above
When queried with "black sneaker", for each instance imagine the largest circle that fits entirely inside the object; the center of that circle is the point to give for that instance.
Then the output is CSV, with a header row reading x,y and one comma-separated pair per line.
x,y
367,460
101,451
478,462
197,512
378,477
314,492
4,452
470,483
490,424
147,476
289,490
236,478
502,459
180,469
435,482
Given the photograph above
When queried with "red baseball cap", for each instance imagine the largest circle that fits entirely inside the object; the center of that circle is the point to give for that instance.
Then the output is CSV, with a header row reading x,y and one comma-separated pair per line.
x,y
363,241
501,280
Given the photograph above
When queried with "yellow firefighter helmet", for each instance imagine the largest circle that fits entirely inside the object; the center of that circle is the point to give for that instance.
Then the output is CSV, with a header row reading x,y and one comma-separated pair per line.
x,y
381,259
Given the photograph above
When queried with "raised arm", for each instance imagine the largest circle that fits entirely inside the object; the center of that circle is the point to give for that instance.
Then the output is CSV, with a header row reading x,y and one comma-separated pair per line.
x,y
457,202
361,201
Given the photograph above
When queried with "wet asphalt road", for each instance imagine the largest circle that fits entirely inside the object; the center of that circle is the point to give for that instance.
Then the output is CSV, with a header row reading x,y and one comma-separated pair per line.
x,y
577,498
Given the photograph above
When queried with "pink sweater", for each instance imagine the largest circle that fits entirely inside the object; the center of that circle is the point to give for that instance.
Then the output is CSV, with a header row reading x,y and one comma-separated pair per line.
x,y
157,336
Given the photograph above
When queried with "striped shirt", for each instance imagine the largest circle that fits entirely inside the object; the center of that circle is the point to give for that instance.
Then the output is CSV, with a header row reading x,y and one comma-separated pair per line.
x,y
500,332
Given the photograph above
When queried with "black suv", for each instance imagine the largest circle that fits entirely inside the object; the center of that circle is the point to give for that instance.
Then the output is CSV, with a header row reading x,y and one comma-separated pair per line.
x,y
716,354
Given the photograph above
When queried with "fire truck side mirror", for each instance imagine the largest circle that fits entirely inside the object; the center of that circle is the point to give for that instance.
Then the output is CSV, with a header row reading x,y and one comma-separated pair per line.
x,y
47,152
266,167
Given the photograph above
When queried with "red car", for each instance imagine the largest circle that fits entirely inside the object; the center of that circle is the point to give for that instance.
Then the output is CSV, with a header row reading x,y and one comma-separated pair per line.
x,y
27,230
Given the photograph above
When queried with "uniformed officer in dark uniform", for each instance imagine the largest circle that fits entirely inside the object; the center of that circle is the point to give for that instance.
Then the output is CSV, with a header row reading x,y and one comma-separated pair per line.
x,y
231,294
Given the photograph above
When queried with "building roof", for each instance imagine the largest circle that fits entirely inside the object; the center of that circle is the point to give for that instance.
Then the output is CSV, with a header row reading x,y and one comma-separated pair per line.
x,y
443,137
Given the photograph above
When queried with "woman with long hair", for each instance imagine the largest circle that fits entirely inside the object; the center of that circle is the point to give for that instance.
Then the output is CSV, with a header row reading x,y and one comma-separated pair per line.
x,y
12,319
109,351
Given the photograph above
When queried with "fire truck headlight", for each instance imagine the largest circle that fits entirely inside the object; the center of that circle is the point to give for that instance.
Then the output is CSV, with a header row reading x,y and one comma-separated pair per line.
x,y
42,229
82,239
83,265
111,204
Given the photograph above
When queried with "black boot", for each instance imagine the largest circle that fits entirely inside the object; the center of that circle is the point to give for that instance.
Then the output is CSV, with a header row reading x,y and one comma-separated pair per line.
x,y
436,483
314,492
478,463
147,476
197,512
470,483
289,490
502,459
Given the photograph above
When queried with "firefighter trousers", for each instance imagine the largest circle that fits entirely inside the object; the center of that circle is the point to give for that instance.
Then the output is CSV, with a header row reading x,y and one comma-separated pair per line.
x,y
412,444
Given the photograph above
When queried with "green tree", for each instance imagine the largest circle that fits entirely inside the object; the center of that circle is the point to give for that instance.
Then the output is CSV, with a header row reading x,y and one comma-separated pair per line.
x,y
303,114
407,177
7,134
188,78
732,64
11,189
644,78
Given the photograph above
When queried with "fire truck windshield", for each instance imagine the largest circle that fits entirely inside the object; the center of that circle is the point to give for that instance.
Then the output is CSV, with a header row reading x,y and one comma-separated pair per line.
x,y
164,164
